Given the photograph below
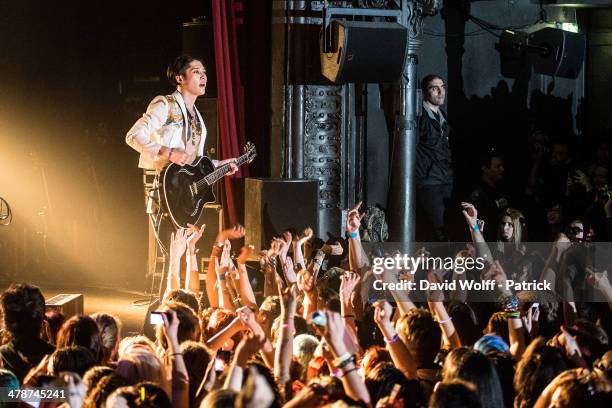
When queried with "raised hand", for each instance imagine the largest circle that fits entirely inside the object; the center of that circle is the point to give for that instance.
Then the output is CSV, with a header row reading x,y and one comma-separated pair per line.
x,y
245,253
305,281
348,282
178,243
382,313
236,232
222,266
288,299
171,325
599,280
470,213
333,249
196,233
248,346
353,219
306,235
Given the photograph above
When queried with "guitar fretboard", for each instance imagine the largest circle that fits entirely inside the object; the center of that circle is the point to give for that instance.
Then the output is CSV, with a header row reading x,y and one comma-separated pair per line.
x,y
222,171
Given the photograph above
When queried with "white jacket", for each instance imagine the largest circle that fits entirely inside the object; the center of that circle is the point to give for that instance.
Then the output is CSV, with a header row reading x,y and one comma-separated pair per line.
x,y
163,124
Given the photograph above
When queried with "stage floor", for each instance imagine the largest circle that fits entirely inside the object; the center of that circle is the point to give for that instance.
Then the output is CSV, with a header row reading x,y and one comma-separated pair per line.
x,y
119,303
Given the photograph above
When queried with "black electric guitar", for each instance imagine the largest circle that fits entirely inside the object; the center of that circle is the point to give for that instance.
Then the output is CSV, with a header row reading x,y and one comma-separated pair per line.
x,y
185,190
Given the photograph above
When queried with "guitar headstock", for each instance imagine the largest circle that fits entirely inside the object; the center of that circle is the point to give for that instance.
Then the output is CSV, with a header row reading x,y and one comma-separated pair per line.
x,y
249,152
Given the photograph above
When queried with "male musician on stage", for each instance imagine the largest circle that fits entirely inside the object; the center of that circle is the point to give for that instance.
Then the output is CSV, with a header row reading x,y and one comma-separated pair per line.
x,y
172,129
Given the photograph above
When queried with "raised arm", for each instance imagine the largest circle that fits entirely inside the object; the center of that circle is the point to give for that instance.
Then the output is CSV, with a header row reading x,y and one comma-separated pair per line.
x,y
178,246
395,345
192,277
236,232
510,306
298,253
284,349
343,359
353,223
470,213
244,284
180,376
348,283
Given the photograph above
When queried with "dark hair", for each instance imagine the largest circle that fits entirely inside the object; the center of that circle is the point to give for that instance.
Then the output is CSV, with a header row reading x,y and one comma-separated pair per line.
x,y
504,364
196,359
55,319
220,399
179,67
109,327
105,387
538,366
486,156
422,334
77,359
475,367
23,309
381,380
182,296
81,330
219,319
427,80
498,324
188,326
454,394
93,376
373,356
464,317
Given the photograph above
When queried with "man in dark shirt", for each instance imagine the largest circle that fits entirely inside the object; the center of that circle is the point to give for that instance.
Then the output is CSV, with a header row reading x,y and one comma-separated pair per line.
x,y
433,173
23,309
488,195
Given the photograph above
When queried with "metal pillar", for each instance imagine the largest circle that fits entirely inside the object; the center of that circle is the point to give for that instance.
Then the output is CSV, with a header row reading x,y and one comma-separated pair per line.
x,y
401,193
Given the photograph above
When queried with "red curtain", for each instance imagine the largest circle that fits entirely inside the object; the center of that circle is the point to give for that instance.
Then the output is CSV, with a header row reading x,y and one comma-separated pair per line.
x,y
230,93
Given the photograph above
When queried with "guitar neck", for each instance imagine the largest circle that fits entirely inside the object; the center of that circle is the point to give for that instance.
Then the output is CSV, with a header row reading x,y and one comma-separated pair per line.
x,y
224,169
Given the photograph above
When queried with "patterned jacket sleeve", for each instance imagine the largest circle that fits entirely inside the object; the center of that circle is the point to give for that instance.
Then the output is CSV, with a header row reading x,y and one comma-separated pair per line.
x,y
139,136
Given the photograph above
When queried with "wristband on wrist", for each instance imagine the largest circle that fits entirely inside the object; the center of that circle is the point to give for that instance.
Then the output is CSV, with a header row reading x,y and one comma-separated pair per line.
x,y
348,371
176,354
445,321
348,316
475,228
353,235
393,339
342,360
221,276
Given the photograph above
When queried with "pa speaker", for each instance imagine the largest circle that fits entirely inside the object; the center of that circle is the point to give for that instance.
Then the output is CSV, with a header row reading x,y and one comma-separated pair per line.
x,y
564,52
364,52
199,42
272,206
513,58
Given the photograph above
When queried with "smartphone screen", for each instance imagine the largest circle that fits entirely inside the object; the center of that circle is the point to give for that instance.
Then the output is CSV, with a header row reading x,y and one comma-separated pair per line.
x,y
155,318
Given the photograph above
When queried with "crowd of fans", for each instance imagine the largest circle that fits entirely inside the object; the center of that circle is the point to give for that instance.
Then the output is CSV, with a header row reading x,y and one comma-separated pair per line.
x,y
313,338
313,335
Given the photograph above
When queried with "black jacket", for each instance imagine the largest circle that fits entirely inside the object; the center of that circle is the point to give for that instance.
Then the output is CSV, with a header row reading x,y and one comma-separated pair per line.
x,y
433,156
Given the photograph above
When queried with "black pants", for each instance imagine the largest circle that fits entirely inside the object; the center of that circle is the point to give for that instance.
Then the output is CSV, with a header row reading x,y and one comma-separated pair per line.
x,y
431,203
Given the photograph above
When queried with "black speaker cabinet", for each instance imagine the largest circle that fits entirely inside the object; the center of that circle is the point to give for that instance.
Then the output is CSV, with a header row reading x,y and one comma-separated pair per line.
x,y
212,216
272,206
199,42
365,52
565,52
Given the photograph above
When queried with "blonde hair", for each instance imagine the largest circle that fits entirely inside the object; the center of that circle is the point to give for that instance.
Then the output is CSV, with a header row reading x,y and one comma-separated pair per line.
x,y
140,364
